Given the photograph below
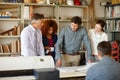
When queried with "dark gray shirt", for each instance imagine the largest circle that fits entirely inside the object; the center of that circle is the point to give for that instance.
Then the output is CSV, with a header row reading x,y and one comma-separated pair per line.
x,y
71,41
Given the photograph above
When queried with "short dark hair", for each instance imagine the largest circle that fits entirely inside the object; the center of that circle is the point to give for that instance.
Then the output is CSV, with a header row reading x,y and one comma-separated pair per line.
x,y
76,20
37,16
101,22
104,48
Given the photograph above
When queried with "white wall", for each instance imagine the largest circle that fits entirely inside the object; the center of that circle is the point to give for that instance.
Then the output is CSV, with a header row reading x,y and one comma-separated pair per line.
x,y
99,10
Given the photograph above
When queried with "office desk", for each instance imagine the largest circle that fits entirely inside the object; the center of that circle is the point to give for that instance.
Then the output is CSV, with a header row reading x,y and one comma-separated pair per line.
x,y
63,76
22,68
65,73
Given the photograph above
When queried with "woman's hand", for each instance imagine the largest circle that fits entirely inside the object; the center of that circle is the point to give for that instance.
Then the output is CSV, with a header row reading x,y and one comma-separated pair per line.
x,y
47,49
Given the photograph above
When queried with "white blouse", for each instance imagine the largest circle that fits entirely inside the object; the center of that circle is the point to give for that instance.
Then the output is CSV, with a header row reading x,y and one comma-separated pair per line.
x,y
95,39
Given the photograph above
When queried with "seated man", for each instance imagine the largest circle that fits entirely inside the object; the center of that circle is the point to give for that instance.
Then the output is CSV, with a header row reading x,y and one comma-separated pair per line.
x,y
107,68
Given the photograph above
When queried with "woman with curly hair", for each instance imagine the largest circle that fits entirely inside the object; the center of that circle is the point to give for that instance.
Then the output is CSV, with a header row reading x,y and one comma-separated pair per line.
x,y
49,31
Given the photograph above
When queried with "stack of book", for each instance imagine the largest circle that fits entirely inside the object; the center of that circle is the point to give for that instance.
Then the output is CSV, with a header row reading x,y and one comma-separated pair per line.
x,y
112,11
16,30
13,47
113,25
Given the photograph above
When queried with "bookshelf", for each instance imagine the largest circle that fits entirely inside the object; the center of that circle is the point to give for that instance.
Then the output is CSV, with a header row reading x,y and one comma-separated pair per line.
x,y
66,12
47,9
112,18
15,16
10,28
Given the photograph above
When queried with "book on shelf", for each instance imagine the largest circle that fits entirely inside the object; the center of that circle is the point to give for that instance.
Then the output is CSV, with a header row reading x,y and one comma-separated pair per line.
x,y
112,11
1,49
117,25
21,28
31,11
18,30
6,32
13,31
13,47
113,25
26,12
108,11
6,48
18,46
10,33
110,25
116,11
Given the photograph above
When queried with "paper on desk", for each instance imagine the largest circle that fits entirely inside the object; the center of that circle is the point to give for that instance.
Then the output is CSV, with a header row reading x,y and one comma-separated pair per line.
x,y
81,69
86,67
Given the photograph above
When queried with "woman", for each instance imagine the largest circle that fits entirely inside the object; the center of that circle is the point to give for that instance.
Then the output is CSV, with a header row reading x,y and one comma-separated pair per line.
x,y
49,31
97,35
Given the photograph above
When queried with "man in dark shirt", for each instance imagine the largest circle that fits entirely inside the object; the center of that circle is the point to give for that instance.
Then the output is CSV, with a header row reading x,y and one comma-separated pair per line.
x,y
71,38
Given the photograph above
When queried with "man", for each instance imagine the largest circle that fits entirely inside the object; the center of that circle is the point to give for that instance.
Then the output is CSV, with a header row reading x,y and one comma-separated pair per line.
x,y
107,68
31,37
71,37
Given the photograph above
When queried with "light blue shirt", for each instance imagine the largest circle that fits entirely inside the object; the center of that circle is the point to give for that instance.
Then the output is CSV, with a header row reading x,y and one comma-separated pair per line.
x,y
106,69
71,41
31,42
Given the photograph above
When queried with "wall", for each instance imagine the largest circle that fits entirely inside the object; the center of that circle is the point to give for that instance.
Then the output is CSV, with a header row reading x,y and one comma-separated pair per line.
x,y
99,10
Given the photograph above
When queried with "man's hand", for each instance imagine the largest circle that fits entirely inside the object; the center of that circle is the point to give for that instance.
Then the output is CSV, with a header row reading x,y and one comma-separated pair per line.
x,y
58,63
89,61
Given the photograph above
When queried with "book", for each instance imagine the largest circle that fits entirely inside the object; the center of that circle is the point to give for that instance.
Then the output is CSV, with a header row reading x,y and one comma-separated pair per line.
x,y
1,49
6,32
14,32
26,12
18,46
6,48
18,29
31,11
21,28
13,47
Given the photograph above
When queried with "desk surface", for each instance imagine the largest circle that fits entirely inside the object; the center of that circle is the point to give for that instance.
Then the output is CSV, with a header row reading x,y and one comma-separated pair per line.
x,y
76,71
62,75
65,72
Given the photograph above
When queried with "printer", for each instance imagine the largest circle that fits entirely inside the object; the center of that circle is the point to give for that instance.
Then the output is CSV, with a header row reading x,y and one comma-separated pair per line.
x,y
28,68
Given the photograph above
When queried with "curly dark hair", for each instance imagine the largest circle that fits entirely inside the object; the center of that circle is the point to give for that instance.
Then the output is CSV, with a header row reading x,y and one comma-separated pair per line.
x,y
47,24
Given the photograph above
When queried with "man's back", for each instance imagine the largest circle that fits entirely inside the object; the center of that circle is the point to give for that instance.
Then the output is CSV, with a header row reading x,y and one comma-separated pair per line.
x,y
106,69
